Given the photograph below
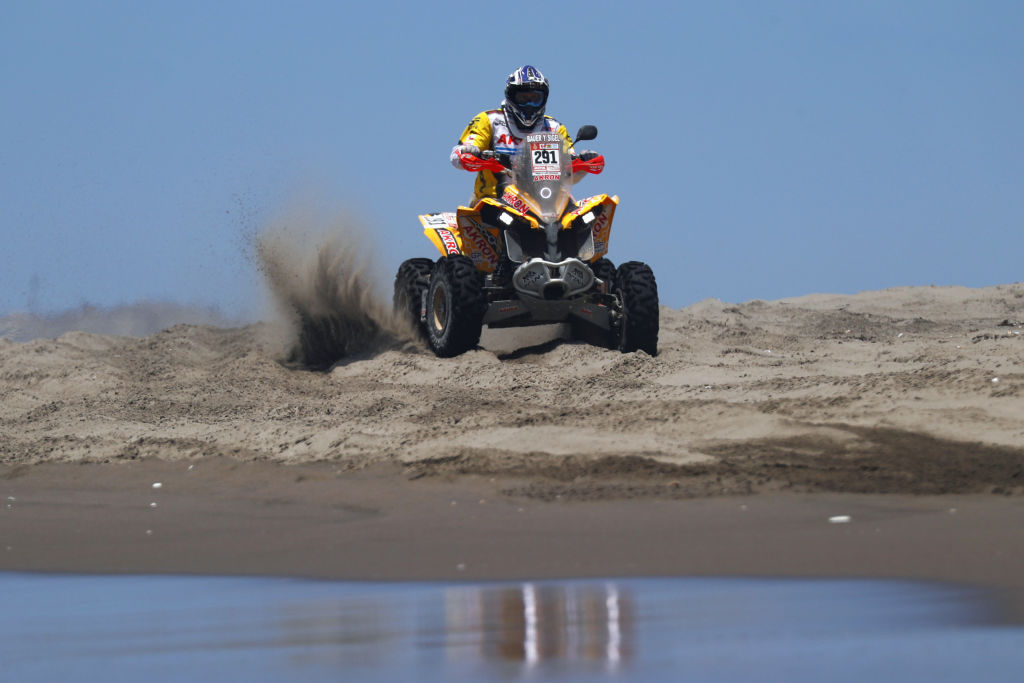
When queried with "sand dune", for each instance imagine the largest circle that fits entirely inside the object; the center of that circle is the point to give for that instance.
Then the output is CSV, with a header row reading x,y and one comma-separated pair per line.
x,y
908,390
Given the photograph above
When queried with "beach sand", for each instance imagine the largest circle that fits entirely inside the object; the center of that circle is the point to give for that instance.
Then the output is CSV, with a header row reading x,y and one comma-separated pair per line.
x,y
878,434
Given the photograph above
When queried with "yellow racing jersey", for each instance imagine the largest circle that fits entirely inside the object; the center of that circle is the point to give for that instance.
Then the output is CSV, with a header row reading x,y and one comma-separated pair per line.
x,y
491,130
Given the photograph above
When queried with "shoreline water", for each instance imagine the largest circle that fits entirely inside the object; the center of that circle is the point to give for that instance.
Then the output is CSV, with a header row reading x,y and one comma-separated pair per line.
x,y
231,518
173,627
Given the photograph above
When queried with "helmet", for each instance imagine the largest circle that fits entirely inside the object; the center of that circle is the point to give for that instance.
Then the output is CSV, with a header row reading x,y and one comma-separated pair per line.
x,y
526,93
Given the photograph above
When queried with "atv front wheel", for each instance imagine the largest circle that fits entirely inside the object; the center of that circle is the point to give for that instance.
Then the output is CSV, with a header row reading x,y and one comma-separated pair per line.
x,y
604,270
637,290
455,306
411,282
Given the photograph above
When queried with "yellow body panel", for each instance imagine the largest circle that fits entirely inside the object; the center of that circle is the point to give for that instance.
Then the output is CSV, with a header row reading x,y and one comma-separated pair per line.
x,y
442,230
602,225
463,231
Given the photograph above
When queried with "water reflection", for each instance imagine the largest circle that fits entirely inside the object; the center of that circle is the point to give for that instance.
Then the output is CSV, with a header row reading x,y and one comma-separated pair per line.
x,y
157,628
534,623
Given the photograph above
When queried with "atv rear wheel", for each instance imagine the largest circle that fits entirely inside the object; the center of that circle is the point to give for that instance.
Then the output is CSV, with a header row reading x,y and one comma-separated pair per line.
x,y
411,282
455,306
638,292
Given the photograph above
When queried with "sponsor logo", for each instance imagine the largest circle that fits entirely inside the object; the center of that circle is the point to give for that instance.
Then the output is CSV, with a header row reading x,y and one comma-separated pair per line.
x,y
576,276
491,240
601,229
584,207
450,244
530,278
507,140
514,201
474,232
544,137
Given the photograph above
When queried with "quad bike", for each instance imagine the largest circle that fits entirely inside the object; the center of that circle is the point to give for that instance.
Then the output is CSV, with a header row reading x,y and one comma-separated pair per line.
x,y
531,256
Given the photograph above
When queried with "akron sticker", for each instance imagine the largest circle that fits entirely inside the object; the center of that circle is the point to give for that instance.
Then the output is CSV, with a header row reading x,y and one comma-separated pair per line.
x,y
449,242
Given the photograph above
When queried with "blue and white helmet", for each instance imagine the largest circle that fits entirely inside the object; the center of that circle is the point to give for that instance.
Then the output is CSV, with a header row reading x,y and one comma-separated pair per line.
x,y
526,94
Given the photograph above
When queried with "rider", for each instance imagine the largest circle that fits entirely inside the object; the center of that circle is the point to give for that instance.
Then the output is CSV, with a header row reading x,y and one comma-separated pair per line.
x,y
502,130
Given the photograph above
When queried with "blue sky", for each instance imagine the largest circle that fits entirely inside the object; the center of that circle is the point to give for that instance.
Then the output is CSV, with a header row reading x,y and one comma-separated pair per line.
x,y
760,149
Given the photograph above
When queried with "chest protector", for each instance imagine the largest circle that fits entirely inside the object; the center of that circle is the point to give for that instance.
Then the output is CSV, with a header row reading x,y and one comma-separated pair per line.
x,y
491,130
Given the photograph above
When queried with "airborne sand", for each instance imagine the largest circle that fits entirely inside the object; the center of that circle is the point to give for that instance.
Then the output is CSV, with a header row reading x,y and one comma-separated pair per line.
x,y
725,454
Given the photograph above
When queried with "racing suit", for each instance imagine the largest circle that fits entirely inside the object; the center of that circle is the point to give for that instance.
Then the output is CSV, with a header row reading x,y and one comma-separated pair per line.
x,y
493,130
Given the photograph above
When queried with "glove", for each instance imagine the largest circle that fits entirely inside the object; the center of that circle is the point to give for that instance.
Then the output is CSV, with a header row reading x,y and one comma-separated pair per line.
x,y
467,157
587,159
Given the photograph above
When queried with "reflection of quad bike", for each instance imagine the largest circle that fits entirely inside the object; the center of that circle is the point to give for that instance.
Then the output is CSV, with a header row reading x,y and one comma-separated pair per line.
x,y
530,257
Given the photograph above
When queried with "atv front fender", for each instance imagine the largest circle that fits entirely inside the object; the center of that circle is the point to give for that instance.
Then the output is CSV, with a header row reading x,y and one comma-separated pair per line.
x,y
464,233
601,209
443,231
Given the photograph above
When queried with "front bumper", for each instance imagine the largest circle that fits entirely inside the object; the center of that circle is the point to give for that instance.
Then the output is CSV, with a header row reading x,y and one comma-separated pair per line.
x,y
551,293
546,280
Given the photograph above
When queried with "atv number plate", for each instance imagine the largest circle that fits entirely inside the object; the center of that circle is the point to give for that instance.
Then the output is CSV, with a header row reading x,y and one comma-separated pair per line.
x,y
544,160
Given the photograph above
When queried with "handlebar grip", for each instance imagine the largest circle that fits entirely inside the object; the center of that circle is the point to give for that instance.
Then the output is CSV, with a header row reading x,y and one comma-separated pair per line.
x,y
595,165
473,163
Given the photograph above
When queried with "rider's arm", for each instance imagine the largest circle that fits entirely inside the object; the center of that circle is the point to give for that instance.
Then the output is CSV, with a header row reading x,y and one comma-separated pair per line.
x,y
477,134
564,133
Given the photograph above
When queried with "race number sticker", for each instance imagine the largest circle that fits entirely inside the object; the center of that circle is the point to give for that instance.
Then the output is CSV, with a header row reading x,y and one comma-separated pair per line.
x,y
544,160
439,220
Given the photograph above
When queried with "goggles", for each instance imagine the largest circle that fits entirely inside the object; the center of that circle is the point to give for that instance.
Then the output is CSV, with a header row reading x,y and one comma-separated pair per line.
x,y
532,98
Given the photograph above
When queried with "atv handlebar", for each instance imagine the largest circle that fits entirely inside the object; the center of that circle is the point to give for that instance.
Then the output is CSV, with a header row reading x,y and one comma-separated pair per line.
x,y
498,163
475,163
595,165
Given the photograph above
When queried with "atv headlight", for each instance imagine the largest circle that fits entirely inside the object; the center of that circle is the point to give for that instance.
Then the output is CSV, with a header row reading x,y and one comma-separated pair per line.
x,y
584,220
499,217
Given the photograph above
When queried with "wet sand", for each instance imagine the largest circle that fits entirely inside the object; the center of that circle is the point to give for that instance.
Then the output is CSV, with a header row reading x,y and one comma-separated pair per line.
x,y
220,516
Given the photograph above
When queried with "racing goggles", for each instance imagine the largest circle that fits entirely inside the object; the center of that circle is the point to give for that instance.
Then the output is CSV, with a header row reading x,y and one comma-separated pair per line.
x,y
529,98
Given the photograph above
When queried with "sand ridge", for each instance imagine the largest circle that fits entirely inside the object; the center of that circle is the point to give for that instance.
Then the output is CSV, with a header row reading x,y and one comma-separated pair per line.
x,y
908,390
